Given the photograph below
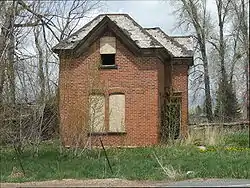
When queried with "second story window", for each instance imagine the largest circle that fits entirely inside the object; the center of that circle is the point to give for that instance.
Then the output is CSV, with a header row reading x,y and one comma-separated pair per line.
x,y
108,59
107,52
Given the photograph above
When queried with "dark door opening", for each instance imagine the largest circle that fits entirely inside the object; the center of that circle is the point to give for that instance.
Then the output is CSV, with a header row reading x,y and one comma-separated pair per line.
x,y
171,119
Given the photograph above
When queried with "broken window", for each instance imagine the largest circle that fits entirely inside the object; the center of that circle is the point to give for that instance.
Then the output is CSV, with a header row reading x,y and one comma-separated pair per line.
x,y
108,51
108,59
117,113
97,113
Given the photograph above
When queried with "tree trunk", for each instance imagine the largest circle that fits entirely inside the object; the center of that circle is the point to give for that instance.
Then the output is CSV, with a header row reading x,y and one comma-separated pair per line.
x,y
221,41
47,73
9,51
41,76
2,66
208,100
199,21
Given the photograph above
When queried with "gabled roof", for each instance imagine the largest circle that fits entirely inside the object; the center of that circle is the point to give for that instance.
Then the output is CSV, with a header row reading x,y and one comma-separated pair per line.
x,y
185,41
181,46
150,38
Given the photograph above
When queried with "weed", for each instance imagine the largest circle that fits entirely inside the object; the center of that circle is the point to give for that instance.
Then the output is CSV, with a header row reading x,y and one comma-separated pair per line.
x,y
180,160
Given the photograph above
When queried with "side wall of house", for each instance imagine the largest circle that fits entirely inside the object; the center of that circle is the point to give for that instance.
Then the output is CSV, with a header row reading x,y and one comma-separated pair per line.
x,y
180,84
136,77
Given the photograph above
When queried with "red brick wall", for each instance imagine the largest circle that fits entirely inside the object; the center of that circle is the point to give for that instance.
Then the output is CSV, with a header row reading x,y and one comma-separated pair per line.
x,y
141,79
180,84
137,77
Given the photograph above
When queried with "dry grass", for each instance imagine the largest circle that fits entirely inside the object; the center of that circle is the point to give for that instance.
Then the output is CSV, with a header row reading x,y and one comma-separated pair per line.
x,y
210,136
214,136
171,173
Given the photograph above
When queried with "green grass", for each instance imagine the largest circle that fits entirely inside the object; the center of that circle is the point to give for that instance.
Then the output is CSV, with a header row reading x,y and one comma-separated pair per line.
x,y
133,164
238,138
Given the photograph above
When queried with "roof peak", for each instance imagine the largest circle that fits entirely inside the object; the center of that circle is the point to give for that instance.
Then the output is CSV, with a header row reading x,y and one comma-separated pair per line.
x,y
114,14
144,38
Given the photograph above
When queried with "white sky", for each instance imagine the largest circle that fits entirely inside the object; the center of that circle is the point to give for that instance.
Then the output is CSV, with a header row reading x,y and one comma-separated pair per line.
x,y
146,13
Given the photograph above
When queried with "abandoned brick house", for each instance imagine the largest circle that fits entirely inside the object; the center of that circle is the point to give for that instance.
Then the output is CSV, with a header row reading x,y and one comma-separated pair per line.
x,y
139,72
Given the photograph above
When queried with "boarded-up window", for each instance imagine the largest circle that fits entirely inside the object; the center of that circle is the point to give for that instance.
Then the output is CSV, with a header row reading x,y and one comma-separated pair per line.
x,y
117,113
97,113
107,45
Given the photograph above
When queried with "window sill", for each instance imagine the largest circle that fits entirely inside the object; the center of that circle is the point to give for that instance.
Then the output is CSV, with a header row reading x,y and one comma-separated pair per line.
x,y
106,133
108,67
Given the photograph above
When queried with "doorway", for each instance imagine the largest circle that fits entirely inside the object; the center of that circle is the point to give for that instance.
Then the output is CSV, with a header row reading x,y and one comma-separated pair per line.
x,y
171,119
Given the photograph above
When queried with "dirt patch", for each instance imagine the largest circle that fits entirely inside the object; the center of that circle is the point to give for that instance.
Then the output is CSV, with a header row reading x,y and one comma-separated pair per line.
x,y
112,182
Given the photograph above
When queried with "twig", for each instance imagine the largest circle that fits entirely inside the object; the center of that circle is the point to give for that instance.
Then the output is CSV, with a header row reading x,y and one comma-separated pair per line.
x,y
160,163
19,159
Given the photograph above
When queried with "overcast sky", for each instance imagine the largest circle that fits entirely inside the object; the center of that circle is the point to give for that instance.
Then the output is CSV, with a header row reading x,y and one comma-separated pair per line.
x,y
146,13
149,13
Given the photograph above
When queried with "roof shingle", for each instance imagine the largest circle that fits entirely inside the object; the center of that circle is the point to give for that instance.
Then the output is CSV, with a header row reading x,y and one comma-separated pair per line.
x,y
177,46
143,37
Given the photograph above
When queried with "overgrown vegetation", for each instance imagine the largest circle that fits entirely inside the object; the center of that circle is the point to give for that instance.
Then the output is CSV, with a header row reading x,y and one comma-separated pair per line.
x,y
29,68
218,136
226,157
170,117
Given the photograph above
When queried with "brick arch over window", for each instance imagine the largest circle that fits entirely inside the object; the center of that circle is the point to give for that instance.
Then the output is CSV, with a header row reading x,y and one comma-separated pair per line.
x,y
116,90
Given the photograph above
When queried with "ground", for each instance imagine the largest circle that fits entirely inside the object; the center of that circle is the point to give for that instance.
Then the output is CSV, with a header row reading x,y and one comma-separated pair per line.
x,y
166,165
111,182
115,182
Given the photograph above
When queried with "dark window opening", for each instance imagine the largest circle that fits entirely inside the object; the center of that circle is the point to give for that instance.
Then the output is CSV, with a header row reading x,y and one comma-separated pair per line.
x,y
108,59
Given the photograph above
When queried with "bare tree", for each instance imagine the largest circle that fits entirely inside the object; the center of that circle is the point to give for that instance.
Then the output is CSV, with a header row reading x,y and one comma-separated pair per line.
x,y
240,28
194,14
223,12
26,73
7,52
41,76
227,104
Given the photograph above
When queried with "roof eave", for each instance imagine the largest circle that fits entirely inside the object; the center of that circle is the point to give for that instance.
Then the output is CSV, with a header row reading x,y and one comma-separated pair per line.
x,y
190,59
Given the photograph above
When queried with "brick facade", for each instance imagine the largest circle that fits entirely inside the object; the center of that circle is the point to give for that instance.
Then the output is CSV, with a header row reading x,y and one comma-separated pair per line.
x,y
141,79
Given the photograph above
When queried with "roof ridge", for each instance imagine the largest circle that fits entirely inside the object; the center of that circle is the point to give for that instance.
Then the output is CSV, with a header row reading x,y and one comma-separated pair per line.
x,y
164,32
112,14
144,30
140,36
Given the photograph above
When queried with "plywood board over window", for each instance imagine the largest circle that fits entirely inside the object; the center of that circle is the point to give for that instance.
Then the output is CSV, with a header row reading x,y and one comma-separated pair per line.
x,y
97,113
117,113
107,45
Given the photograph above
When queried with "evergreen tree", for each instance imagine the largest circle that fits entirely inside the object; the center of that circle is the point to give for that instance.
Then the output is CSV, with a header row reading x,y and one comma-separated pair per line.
x,y
227,108
198,110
